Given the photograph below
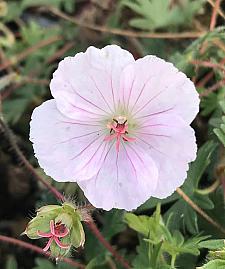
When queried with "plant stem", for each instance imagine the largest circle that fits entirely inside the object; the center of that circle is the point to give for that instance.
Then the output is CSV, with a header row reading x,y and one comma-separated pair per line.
x,y
36,249
200,211
219,9
208,64
19,154
29,51
213,88
120,32
91,225
214,15
210,189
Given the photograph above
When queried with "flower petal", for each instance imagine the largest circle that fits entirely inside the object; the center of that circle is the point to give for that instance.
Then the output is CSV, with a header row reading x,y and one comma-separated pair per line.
x,y
172,146
126,179
66,149
151,85
86,86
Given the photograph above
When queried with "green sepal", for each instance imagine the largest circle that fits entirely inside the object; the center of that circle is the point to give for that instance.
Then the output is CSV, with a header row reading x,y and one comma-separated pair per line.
x,y
56,251
77,234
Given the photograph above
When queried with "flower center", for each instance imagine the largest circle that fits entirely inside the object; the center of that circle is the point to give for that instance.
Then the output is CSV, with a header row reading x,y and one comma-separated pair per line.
x,y
118,130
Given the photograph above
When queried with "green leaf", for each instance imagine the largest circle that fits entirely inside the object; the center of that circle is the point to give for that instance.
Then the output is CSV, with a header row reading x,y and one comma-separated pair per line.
x,y
183,214
43,264
97,262
113,223
143,258
138,223
11,263
220,132
213,244
215,264
68,4
202,161
156,14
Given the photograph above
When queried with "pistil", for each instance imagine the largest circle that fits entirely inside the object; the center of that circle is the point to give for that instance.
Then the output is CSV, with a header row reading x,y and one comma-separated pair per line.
x,y
119,130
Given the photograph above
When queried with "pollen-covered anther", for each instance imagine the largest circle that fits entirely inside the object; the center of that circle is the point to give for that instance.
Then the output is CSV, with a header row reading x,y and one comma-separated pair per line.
x,y
118,130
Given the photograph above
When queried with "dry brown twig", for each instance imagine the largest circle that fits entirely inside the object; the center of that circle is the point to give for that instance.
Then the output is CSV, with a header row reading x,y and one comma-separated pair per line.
x,y
18,58
128,33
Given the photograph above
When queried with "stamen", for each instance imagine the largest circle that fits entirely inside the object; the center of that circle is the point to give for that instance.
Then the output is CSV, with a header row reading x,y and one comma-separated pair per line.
x,y
57,231
119,131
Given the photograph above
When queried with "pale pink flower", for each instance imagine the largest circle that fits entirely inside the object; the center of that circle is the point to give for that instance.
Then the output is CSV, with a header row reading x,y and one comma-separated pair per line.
x,y
116,126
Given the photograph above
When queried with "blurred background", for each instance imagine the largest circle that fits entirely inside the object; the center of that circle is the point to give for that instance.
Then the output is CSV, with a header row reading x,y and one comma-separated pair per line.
x,y
35,36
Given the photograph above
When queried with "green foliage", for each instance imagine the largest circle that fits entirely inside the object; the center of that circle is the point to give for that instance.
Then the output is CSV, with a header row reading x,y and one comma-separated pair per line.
x,y
159,241
113,224
183,214
67,4
213,244
215,264
46,264
155,14
216,257
11,263
220,132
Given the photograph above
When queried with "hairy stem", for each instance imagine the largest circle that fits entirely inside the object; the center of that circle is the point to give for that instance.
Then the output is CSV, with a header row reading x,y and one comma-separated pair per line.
x,y
19,154
36,249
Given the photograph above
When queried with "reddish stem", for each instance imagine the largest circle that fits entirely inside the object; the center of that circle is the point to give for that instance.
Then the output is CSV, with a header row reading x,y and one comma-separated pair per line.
x,y
208,64
91,225
213,88
214,15
36,249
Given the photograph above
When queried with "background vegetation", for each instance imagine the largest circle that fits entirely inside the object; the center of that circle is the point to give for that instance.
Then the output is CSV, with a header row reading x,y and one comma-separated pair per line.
x,y
188,229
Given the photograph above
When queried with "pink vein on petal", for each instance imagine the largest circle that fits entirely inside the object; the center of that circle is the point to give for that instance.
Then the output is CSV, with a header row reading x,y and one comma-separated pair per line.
x,y
131,89
103,97
153,125
94,155
77,123
112,90
88,101
80,136
156,113
107,153
147,103
132,164
143,87
92,142
161,135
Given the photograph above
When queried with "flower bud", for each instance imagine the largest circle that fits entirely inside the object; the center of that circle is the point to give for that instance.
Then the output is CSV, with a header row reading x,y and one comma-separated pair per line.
x,y
60,225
